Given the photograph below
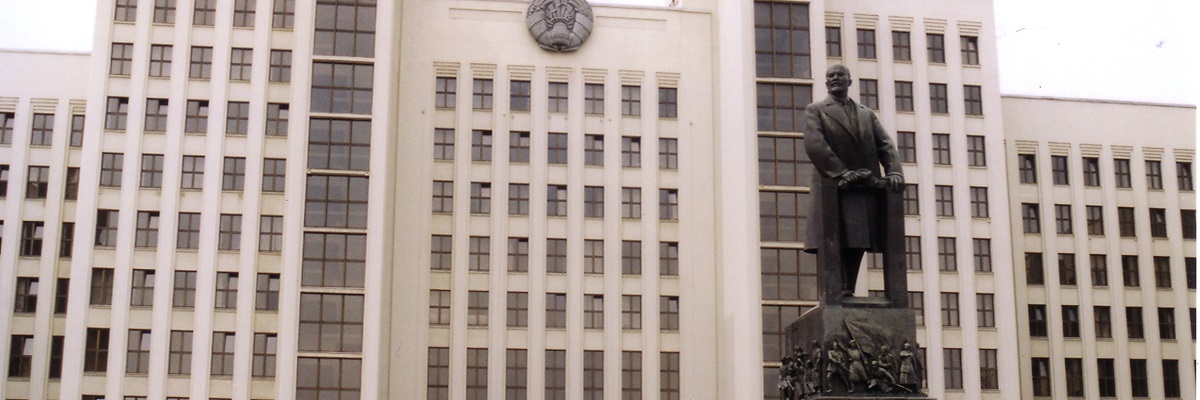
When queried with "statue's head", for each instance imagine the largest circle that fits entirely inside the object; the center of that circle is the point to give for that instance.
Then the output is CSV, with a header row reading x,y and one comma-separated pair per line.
x,y
906,345
838,80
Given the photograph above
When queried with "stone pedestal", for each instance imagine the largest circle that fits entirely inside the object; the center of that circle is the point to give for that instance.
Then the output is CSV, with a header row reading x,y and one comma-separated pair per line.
x,y
870,336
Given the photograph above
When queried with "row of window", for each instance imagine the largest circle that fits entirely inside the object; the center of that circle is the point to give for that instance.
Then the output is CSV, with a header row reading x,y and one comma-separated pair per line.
x,y
283,12
233,174
1060,172
270,237
183,292
517,310
200,63
1126,220
479,255
1035,273
944,200
935,46
556,148
137,360
516,367
237,116
42,131
1106,378
556,200
868,95
985,304
482,97
1102,316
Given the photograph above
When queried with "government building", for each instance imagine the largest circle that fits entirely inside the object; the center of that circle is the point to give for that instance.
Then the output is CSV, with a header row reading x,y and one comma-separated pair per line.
x,y
419,199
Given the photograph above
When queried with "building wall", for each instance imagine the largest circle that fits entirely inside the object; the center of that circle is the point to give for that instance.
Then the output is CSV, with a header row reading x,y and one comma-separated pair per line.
x,y
1138,134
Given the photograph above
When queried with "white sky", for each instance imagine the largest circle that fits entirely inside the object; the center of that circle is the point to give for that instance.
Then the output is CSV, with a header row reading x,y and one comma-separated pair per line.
x,y
1148,50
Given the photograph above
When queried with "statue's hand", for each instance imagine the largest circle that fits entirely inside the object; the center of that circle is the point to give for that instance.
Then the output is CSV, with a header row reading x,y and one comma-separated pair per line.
x,y
850,177
895,182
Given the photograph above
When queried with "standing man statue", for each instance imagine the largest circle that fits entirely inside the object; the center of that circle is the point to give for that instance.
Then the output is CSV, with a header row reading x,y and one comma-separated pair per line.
x,y
847,144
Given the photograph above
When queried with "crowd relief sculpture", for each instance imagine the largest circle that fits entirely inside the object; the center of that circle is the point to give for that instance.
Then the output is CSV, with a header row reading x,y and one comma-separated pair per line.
x,y
559,25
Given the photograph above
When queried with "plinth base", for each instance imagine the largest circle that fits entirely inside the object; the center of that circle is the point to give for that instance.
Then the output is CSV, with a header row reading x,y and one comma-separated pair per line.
x,y
854,350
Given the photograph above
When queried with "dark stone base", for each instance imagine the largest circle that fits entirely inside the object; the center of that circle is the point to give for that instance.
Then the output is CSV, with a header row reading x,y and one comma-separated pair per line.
x,y
872,325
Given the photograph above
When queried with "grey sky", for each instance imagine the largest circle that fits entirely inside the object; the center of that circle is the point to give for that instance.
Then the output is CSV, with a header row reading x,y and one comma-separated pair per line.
x,y
1107,49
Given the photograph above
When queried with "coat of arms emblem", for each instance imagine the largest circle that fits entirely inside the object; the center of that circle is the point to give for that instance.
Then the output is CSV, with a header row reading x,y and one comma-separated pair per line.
x,y
559,25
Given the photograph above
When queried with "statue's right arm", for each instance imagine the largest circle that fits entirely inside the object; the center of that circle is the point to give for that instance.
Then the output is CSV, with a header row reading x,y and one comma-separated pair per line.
x,y
816,145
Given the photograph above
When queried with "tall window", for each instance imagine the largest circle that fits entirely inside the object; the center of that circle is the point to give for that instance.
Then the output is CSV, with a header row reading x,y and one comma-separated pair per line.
x,y
1122,173
1183,171
1066,269
516,374
146,235
1058,170
156,115
944,200
233,174
982,254
106,228
985,304
266,292
160,60
936,44
782,161
1103,317
121,61
782,216
1162,272
1095,220
631,257
1062,219
1030,218
866,44
904,96
781,106
1099,269
556,310
195,117
477,308
973,99
137,359
1027,168
593,202
274,174
1037,320
947,254
556,148
1034,269
481,198
518,199
1154,175
556,200
280,69
593,98
226,292
833,41
631,203
519,96
116,114
668,153
481,95
283,14
42,132
205,13
240,61
989,369
31,238
342,88
77,122
39,182
557,102
868,93
631,152
912,199
192,176
1074,372
901,46
183,295
938,101
1070,321
953,365
339,144
1107,377
26,295
970,50
441,250
1125,221
477,382
668,102
1166,323
1138,380
70,187
916,302
1188,223
949,309
593,311
941,148
200,66
593,375
479,254
782,40
1170,372
979,202
95,350
345,28
20,358
556,375
906,143
518,147
331,322
631,100
1129,271
518,309
445,92
263,363
1091,171
668,313
443,144
1134,323
631,375
439,307
912,252
631,312
668,258
1158,222
126,11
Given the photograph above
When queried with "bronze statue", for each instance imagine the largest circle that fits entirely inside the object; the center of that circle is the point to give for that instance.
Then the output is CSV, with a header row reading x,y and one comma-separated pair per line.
x,y
858,367
910,368
846,143
835,365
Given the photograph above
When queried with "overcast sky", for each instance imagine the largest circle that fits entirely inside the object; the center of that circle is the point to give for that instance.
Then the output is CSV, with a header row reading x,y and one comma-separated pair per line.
x,y
1147,50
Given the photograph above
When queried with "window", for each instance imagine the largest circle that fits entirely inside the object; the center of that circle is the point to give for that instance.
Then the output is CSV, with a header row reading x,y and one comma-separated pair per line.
x,y
277,119
1138,382
949,309
1188,223
1099,270
944,200
70,188
519,96
593,201
782,215
480,253
39,182
518,199
200,66
233,176
1030,219
912,252
954,374
556,256
1095,220
941,149
222,354
1129,271
1070,321
1066,269
556,375
42,132
1158,222
833,41
593,98
77,122
1034,270
283,14
481,98
631,203
556,200
32,234
518,254
668,153
518,147
973,99
4,176
593,256
982,254
281,65
205,13
782,40
938,102
196,116
631,257
95,350
1103,317
274,174
1166,323
226,294
116,114
1170,373
54,369
631,101
906,142
556,310
1106,377
1125,221
1154,175
781,106
156,115
904,96
240,64
441,247
336,201
179,362
26,295
106,228
126,11
439,307
477,308
1041,376
331,322
593,375
7,123
912,199
342,88
868,93
989,369
947,254
631,312
146,235
936,44
970,55
184,293
668,204
1133,322
1037,320
631,375
266,292
1183,171
1091,171
558,97
192,176
443,144
333,260
782,161
160,61
1189,270
556,148
518,309
916,302
314,381
137,360
1162,272
67,240
1058,170
668,258
1074,369
345,28
784,277
631,152
1062,219
1027,165
481,198
668,313
901,46
445,92
668,102
986,310
1123,174
593,311
263,363
979,202
866,44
